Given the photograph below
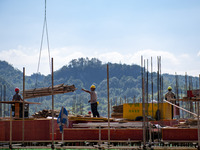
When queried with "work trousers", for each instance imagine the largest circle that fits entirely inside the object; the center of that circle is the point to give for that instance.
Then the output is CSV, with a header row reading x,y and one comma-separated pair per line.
x,y
94,110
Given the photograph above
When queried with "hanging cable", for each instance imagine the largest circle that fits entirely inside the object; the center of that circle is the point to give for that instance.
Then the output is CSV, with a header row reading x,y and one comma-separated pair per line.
x,y
43,30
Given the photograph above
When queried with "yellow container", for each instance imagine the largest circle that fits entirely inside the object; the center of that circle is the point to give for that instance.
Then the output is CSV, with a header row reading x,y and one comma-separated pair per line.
x,y
131,111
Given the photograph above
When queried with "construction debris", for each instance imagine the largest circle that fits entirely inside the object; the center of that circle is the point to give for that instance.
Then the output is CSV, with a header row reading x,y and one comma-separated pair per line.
x,y
46,113
57,89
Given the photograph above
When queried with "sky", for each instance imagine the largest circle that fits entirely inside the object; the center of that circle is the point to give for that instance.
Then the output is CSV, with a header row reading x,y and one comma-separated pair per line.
x,y
117,31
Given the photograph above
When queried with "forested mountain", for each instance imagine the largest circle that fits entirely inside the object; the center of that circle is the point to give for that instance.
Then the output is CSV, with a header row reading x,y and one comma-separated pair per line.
x,y
125,83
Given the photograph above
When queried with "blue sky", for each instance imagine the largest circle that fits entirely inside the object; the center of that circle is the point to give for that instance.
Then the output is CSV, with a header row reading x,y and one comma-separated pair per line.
x,y
111,30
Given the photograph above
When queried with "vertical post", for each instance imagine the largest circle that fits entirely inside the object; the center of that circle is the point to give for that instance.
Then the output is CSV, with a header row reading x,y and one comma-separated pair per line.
x,y
10,146
160,86
111,105
1,103
152,84
191,102
147,88
187,104
4,97
108,105
198,120
198,126
62,111
99,135
147,99
23,106
143,105
152,139
177,95
158,93
52,93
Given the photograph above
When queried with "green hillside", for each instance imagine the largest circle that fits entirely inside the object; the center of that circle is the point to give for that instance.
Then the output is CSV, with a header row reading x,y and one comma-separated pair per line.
x,y
125,82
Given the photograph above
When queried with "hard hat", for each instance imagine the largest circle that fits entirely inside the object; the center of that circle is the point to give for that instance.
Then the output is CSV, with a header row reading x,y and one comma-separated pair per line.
x,y
169,88
97,103
93,87
16,89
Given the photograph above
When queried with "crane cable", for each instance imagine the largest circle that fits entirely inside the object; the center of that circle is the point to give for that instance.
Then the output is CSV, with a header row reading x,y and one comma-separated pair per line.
x,y
43,30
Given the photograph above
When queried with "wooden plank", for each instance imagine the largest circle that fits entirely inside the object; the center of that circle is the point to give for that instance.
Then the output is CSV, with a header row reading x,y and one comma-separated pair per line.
x,y
14,102
57,89
17,110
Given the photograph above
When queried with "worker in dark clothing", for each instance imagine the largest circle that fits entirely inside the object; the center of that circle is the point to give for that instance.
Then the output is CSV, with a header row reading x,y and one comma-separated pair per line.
x,y
170,96
17,97
93,100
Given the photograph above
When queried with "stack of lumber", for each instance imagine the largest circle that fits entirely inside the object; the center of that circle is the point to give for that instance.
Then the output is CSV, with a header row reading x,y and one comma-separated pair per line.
x,y
81,118
117,111
45,113
58,89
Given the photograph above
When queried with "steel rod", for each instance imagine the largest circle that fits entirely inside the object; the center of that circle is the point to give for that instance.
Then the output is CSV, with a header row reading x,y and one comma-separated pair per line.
x,y
4,97
10,128
52,78
152,92
1,99
143,105
198,119
23,106
108,105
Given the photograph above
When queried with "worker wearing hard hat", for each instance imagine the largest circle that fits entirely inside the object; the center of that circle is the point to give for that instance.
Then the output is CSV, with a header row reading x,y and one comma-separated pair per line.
x,y
170,96
93,100
17,97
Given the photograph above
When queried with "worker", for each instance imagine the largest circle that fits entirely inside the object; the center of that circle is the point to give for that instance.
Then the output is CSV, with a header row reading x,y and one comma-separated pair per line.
x,y
170,96
17,97
93,100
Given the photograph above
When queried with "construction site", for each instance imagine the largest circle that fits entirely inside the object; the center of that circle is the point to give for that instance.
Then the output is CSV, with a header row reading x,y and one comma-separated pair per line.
x,y
156,120
154,123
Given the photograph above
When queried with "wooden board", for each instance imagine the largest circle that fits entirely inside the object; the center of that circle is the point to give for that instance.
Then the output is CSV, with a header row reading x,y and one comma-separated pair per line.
x,y
13,102
46,91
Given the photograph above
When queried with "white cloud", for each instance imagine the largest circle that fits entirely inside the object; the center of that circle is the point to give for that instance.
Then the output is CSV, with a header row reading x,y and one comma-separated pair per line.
x,y
28,58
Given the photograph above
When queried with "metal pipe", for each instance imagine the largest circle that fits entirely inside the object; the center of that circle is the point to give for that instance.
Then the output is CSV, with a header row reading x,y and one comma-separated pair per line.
x,y
4,97
1,100
198,127
23,106
147,89
143,105
108,105
10,128
152,91
198,119
158,92
99,135
147,98
52,92
187,103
